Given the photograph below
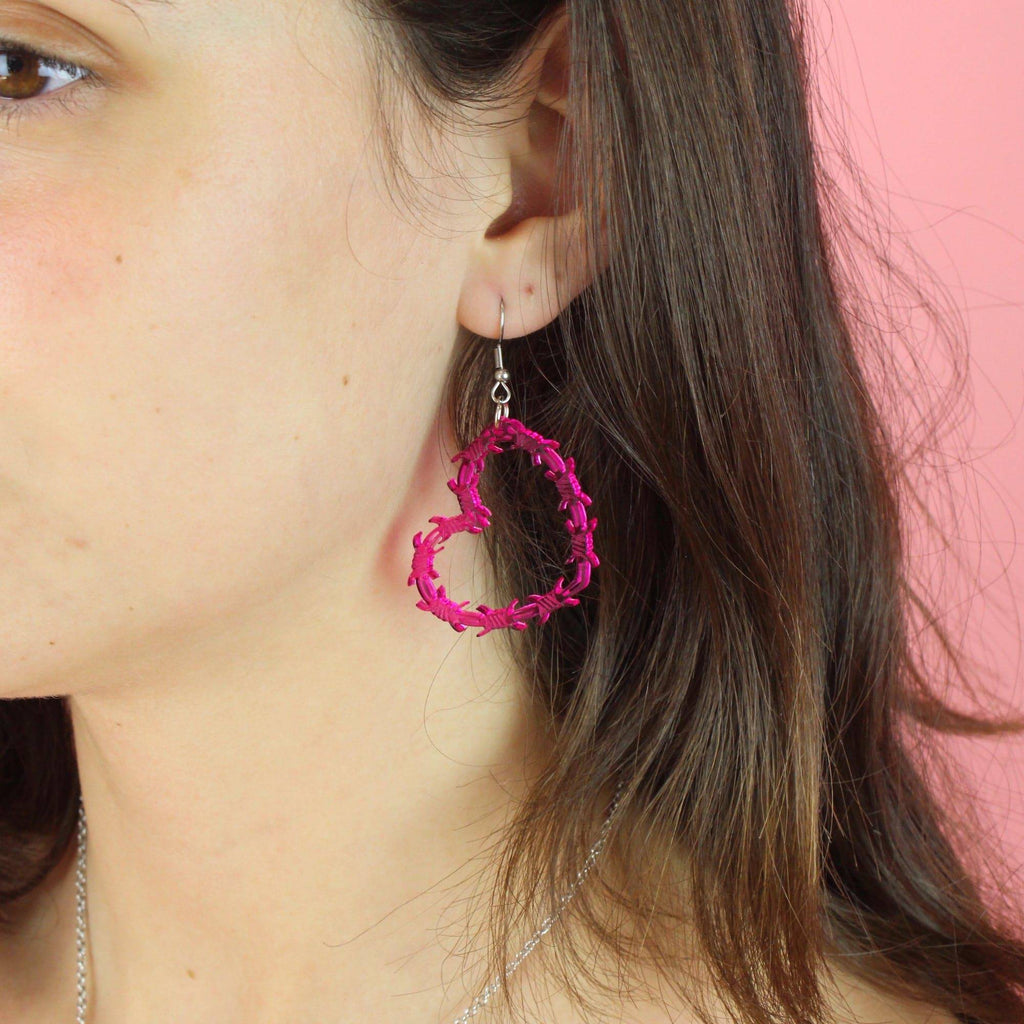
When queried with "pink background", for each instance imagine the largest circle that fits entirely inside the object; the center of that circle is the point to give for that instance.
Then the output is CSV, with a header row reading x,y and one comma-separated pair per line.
x,y
931,98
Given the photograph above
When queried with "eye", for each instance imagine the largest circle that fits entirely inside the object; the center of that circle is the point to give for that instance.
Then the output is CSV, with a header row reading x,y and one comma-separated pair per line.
x,y
24,74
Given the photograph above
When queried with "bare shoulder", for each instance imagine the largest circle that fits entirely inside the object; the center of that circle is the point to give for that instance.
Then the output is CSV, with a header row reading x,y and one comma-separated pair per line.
x,y
849,998
855,1001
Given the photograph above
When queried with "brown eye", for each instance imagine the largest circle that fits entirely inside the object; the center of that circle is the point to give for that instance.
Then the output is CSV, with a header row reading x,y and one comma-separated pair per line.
x,y
19,75
24,71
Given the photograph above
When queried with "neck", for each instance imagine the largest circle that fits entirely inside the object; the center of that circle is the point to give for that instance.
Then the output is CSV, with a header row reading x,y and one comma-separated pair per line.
x,y
248,838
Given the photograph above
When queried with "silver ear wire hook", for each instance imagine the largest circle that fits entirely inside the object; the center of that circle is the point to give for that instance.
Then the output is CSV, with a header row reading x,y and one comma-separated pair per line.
x,y
501,375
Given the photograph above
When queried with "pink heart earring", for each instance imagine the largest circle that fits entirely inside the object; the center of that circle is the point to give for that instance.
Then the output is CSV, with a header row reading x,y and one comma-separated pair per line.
x,y
475,517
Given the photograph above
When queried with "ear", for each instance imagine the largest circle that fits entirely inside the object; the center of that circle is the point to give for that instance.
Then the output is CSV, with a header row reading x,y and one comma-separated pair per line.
x,y
534,254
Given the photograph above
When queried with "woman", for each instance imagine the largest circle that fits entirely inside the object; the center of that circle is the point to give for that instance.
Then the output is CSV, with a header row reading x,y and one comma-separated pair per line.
x,y
256,258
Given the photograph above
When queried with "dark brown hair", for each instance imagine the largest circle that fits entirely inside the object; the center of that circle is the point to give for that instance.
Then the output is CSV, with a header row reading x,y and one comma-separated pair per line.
x,y
749,660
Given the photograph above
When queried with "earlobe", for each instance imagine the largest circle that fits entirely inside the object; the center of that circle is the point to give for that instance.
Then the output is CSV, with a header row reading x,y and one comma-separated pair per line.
x,y
538,267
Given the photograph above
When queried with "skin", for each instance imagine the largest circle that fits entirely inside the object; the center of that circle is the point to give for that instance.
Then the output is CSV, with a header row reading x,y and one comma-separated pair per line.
x,y
223,351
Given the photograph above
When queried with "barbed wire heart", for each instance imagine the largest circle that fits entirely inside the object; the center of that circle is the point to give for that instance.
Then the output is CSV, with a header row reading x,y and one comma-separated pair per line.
x,y
475,517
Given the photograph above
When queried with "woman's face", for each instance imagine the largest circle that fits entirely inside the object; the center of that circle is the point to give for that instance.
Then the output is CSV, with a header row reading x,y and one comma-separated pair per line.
x,y
223,345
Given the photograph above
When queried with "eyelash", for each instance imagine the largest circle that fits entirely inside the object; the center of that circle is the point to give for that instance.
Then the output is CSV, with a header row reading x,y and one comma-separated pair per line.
x,y
14,110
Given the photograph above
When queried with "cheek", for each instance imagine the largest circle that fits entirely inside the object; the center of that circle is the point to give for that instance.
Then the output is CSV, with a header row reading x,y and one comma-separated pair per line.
x,y
44,264
171,423
177,436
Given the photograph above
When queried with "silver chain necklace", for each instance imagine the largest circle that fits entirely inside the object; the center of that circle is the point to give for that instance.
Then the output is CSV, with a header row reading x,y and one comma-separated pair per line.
x,y
471,1011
